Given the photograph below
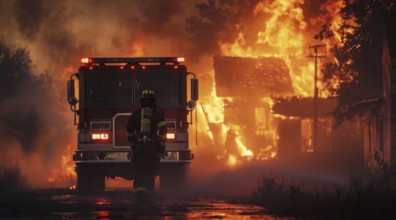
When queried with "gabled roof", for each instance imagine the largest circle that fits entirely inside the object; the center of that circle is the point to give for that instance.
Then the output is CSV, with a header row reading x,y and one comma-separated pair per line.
x,y
251,77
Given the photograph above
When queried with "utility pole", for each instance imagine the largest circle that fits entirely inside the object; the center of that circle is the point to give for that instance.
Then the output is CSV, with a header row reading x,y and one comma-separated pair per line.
x,y
316,56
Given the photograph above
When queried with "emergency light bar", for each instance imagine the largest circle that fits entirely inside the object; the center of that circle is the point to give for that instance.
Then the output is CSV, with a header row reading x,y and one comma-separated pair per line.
x,y
132,60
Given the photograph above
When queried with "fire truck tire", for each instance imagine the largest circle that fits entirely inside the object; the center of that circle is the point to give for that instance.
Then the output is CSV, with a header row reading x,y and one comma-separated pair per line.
x,y
90,183
173,177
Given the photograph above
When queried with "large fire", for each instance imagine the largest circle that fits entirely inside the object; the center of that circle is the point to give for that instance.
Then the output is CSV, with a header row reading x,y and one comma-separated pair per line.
x,y
284,35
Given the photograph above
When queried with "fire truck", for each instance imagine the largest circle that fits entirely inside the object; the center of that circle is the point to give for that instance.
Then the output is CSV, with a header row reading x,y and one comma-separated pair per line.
x,y
103,94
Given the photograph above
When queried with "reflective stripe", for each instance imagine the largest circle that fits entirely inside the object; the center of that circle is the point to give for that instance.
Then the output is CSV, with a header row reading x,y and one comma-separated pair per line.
x,y
131,134
162,123
163,144
148,91
163,137
140,189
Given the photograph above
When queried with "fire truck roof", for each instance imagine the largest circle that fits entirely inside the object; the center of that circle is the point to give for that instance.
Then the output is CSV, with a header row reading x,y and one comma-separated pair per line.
x,y
132,60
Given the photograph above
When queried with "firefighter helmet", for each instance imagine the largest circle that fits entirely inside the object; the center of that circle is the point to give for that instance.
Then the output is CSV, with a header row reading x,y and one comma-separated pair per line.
x,y
148,94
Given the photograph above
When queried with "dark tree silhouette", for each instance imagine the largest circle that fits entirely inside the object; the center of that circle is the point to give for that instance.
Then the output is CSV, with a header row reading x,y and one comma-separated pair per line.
x,y
15,66
21,120
358,65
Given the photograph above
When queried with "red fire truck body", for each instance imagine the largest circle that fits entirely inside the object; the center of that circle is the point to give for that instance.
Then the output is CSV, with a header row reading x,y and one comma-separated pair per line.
x,y
108,91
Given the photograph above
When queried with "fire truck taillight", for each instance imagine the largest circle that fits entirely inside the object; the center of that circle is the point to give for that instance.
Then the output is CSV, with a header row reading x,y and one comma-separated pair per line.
x,y
170,136
180,59
100,136
86,60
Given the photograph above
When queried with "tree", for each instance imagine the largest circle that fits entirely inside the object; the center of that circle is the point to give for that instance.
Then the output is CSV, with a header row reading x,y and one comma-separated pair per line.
x,y
15,66
20,118
358,54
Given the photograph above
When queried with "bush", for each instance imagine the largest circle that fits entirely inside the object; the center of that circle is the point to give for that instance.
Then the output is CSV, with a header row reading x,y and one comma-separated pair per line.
x,y
371,196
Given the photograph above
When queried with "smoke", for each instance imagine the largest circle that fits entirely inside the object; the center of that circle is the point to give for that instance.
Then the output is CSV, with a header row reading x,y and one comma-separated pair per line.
x,y
29,15
36,123
16,122
33,130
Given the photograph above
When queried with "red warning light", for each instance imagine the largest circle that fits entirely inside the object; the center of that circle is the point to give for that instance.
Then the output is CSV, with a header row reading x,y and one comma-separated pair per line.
x,y
180,59
86,60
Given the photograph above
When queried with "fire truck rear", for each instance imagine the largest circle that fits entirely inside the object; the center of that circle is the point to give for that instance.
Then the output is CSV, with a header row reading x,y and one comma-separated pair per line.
x,y
108,91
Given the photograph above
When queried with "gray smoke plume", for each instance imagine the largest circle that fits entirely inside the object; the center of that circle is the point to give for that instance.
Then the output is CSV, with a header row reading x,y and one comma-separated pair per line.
x,y
30,15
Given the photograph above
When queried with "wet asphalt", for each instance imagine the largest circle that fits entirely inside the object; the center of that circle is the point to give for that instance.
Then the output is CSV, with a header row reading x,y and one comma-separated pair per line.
x,y
123,204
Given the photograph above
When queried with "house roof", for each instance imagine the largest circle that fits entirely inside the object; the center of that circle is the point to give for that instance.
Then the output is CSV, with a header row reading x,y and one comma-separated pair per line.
x,y
251,77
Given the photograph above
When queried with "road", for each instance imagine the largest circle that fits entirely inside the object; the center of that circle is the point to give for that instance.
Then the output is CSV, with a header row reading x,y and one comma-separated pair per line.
x,y
122,204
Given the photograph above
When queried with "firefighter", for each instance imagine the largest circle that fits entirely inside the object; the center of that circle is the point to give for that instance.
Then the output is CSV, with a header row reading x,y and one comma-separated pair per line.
x,y
147,137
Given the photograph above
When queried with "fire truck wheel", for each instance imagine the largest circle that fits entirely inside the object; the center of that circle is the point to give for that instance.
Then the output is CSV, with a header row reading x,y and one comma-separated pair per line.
x,y
173,178
90,183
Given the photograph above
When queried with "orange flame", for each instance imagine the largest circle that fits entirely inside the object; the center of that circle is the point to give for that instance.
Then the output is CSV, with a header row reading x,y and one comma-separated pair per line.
x,y
284,35
65,174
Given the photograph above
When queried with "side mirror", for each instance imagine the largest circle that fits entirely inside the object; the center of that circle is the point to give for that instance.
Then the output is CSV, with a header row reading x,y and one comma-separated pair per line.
x,y
71,99
191,105
194,89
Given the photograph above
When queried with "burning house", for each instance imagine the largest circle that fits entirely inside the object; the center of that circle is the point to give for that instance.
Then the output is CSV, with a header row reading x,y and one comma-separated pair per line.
x,y
262,109
296,127
246,87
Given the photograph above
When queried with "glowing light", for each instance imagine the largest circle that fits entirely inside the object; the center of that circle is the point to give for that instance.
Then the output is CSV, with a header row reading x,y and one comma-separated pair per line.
x,y
232,160
86,60
170,136
103,215
180,59
102,201
100,136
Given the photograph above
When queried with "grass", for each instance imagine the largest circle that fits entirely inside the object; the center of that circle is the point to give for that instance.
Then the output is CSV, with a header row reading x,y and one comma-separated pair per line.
x,y
370,197
17,199
12,180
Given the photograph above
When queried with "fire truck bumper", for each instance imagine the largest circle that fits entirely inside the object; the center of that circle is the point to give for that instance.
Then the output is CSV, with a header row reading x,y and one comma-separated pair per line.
x,y
118,164
181,156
